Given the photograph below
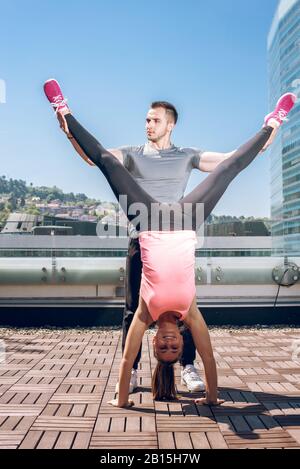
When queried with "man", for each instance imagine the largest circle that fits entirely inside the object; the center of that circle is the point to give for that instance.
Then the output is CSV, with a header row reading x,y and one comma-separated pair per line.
x,y
163,170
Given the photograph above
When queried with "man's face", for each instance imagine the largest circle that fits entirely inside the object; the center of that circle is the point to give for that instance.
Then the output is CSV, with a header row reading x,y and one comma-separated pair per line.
x,y
158,124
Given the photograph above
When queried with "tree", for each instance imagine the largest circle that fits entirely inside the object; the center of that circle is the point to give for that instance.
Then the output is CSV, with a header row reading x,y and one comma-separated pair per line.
x,y
12,202
33,210
81,197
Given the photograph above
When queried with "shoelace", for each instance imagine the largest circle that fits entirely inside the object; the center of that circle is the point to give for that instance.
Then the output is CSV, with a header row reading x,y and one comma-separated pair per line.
x,y
193,375
58,102
282,115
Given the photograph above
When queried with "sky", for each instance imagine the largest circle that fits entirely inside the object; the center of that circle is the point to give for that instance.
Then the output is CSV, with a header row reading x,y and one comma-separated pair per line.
x,y
112,59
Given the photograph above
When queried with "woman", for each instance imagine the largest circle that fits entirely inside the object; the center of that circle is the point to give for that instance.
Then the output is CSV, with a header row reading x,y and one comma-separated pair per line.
x,y
168,291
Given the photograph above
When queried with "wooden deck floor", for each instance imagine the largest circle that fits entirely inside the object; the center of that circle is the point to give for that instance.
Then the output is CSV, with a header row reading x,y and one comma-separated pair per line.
x,y
54,388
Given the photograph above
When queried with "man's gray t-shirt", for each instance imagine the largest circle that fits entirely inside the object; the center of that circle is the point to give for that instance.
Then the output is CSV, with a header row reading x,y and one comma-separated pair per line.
x,y
163,174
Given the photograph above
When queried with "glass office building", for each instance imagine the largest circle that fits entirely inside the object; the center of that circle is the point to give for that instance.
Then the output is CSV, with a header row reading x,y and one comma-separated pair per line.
x,y
284,76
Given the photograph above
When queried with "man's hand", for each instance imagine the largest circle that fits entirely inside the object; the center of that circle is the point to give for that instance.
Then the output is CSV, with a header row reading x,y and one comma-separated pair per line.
x,y
114,402
270,141
207,401
62,123
64,126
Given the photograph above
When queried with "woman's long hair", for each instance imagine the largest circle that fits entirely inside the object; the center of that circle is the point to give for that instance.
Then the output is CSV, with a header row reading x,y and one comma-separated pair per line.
x,y
163,381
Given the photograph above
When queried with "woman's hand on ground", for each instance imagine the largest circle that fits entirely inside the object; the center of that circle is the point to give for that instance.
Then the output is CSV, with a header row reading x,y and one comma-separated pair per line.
x,y
207,401
114,402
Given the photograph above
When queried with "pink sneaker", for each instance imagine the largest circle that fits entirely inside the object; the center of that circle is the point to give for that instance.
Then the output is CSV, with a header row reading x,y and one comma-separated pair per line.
x,y
55,96
284,105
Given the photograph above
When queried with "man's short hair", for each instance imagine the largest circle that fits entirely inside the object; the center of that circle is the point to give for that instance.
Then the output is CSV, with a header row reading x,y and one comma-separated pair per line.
x,y
170,109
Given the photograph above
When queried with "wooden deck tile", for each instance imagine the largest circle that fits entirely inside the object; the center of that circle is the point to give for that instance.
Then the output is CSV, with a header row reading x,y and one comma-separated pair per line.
x,y
55,387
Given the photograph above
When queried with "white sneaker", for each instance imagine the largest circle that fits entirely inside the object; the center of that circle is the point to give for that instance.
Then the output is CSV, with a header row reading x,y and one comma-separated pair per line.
x,y
191,378
133,382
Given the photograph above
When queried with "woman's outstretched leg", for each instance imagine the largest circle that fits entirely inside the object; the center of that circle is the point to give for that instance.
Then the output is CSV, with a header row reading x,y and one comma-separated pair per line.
x,y
119,179
211,190
213,187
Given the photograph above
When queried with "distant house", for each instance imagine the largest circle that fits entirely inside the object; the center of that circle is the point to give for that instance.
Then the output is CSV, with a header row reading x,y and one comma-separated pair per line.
x,y
54,205
77,213
63,215
21,223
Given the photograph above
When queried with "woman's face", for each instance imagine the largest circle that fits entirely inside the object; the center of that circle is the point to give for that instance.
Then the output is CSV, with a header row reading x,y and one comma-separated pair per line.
x,y
168,342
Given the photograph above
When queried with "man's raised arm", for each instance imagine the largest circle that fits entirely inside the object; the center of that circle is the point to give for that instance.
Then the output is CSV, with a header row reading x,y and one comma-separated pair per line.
x,y
64,126
209,160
